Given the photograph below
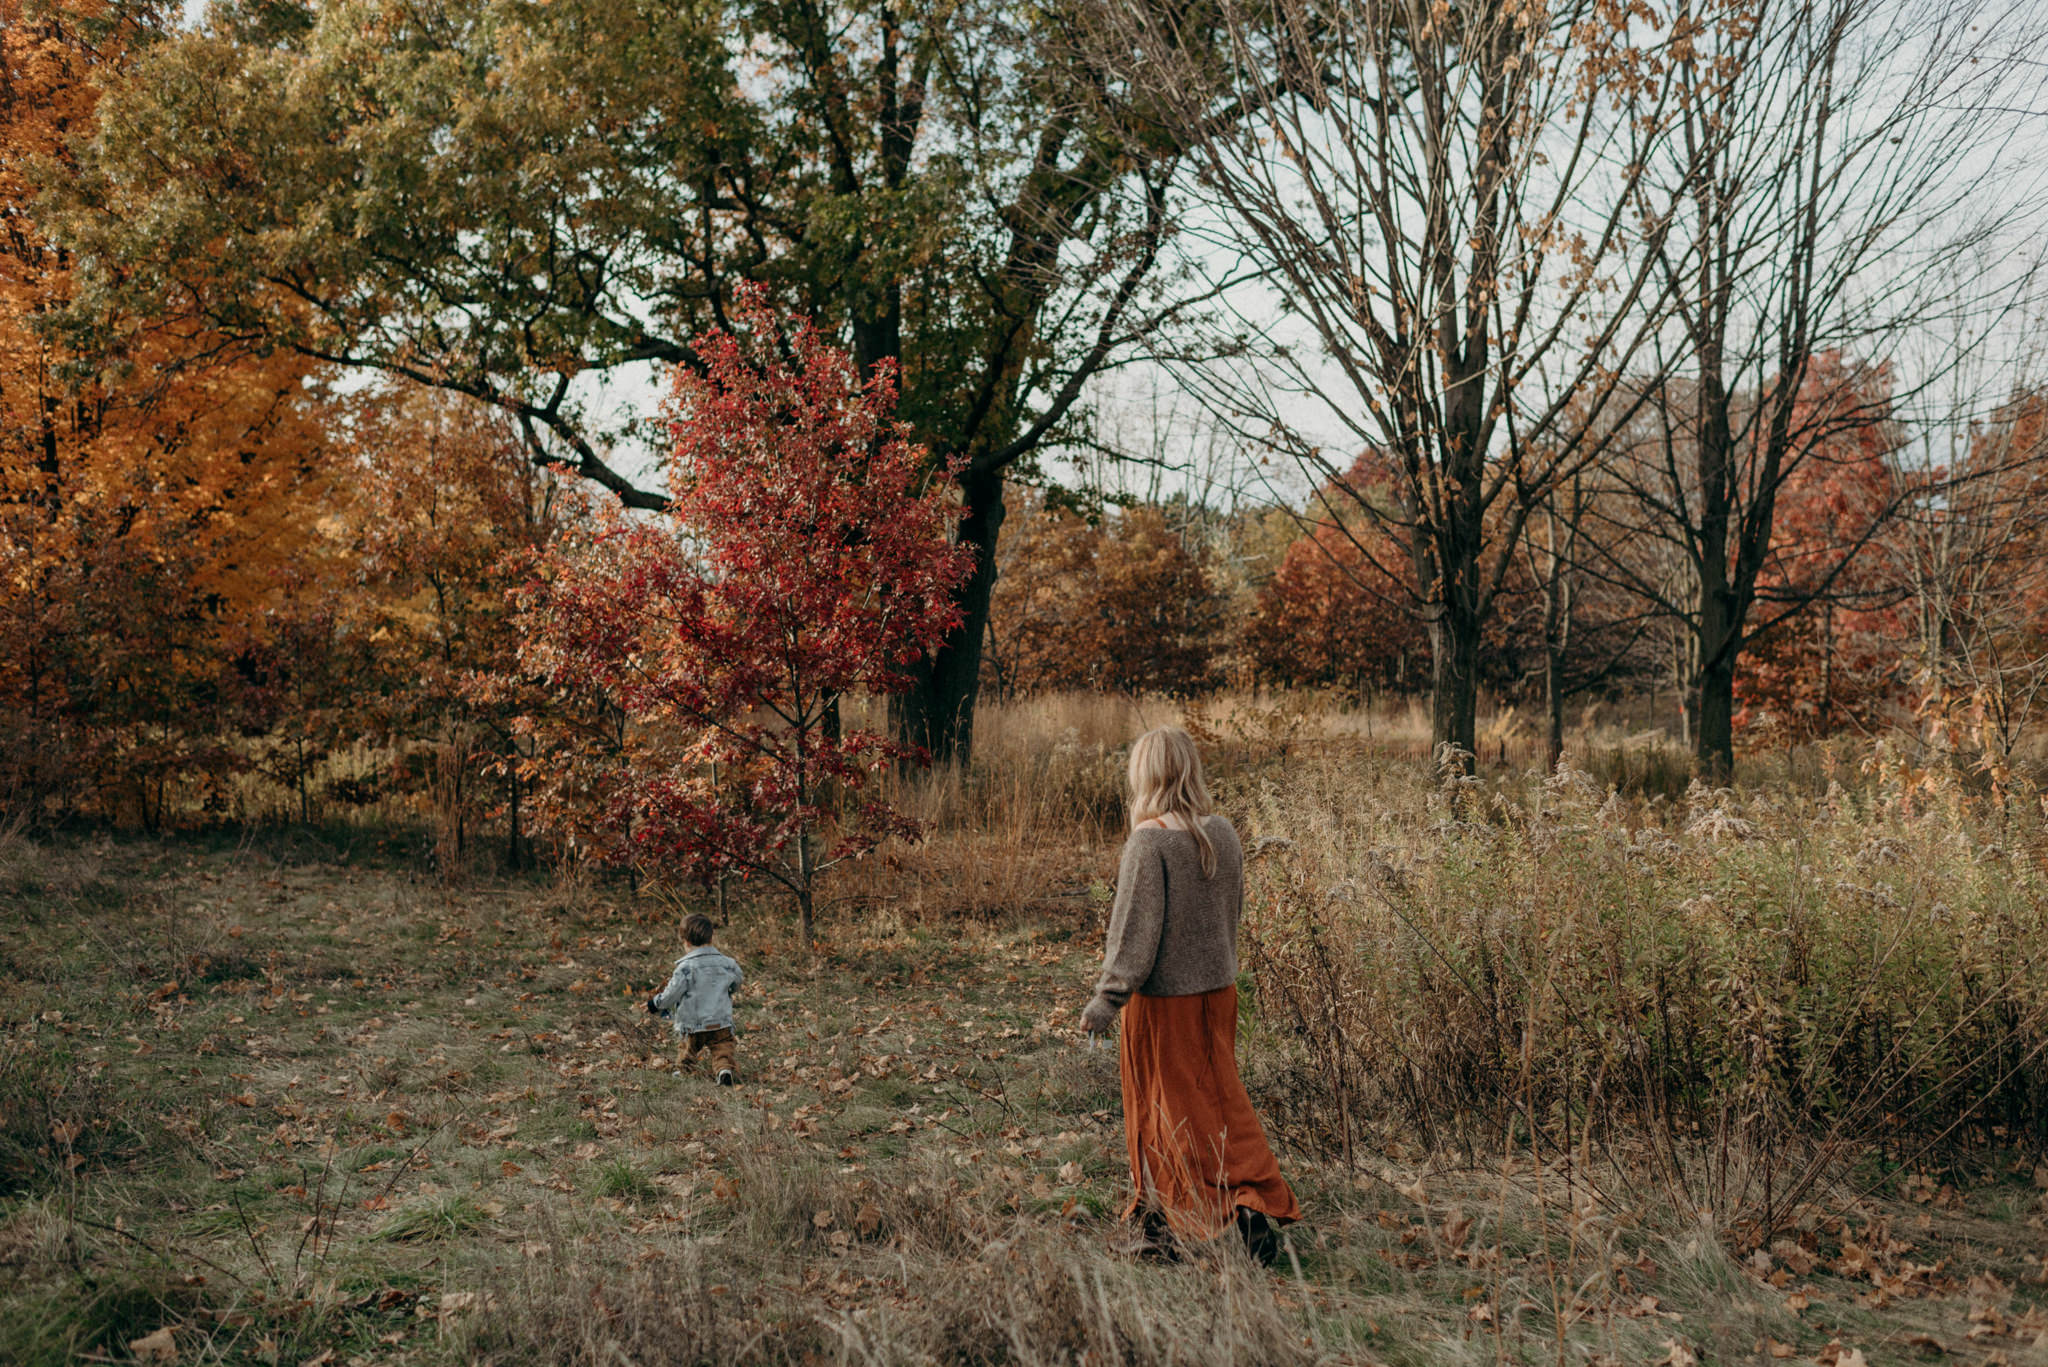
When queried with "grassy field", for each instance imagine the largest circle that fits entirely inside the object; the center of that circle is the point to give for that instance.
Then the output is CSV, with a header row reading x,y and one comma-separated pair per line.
x,y
293,1101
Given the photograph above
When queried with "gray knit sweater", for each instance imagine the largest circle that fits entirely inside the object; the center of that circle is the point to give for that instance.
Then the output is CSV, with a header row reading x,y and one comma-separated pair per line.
x,y
1172,932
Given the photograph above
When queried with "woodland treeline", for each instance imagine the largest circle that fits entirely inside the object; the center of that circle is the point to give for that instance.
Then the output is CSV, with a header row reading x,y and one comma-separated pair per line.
x,y
1561,351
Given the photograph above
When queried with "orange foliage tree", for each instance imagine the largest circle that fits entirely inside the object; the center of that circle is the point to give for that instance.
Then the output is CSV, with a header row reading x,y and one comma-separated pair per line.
x,y
153,486
404,638
1122,604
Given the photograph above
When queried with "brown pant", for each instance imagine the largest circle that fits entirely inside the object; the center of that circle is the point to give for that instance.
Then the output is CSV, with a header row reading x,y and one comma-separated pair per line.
x,y
717,1043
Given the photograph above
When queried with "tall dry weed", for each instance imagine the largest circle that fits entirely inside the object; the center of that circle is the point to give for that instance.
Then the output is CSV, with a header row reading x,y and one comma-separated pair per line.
x,y
1735,994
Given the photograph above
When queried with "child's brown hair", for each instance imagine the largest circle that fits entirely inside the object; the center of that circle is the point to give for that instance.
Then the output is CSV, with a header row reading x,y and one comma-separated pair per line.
x,y
697,929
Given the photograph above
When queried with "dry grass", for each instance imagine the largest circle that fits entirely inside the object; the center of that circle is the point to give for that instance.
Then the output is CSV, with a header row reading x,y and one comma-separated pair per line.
x,y
319,1105
1738,997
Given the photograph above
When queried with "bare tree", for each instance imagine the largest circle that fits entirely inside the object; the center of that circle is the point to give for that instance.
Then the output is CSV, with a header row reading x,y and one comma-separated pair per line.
x,y
1976,562
1843,168
1444,208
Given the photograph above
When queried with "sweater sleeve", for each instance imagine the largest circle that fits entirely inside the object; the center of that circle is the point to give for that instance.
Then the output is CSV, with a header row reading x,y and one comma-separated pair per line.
x,y
1135,921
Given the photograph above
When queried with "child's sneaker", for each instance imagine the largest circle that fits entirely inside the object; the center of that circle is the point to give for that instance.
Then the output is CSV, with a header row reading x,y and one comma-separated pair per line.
x,y
725,1077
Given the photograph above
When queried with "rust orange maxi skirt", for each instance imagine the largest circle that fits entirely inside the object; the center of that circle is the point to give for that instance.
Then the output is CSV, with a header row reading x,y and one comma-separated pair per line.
x,y
1196,1148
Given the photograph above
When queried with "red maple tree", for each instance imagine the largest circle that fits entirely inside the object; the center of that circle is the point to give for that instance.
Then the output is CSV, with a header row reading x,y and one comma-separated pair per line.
x,y
1832,655
1338,612
806,556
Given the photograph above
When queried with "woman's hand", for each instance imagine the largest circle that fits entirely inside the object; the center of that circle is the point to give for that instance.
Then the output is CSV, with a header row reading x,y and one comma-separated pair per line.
x,y
1099,1017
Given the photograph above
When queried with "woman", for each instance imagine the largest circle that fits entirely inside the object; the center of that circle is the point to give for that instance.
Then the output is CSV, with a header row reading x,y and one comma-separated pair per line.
x,y
1199,1161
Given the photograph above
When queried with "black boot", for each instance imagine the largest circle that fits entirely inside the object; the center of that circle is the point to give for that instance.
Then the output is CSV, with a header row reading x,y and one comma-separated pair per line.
x,y
1149,1238
1261,1240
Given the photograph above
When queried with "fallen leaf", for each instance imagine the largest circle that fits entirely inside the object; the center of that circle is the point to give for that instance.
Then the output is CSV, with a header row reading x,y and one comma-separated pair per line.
x,y
1926,1344
1070,1174
1793,1256
823,1219
159,1346
319,1359
1676,1354
868,1219
1780,1350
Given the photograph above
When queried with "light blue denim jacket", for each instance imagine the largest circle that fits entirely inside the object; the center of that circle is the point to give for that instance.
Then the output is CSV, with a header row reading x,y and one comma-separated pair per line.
x,y
699,992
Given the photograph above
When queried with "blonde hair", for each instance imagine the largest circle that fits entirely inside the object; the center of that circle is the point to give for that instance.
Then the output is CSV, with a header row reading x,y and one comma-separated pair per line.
x,y
1166,780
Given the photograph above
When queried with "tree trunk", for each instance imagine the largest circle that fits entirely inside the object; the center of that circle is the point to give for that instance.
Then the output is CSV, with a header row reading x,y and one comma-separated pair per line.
x,y
1454,680
1827,667
1717,633
513,858
1557,629
1717,614
803,889
937,711
1553,701
1714,708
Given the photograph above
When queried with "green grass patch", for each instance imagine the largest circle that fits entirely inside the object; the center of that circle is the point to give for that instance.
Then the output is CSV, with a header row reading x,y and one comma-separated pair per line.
x,y
622,1181
431,1219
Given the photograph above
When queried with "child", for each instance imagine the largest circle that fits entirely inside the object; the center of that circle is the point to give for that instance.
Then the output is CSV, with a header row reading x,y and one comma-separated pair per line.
x,y
698,1000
